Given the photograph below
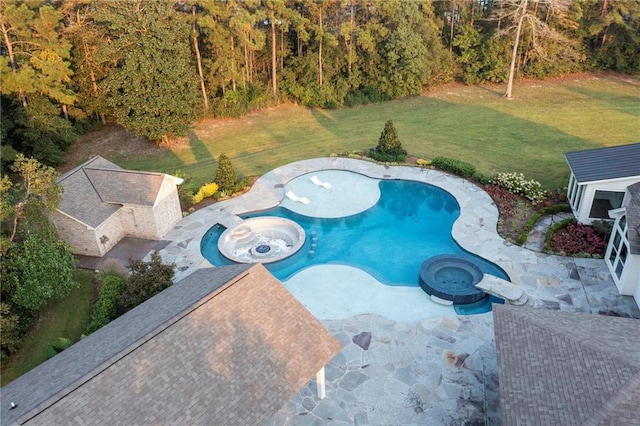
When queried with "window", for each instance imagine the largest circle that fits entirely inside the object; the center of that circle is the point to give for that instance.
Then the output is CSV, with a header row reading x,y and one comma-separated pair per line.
x,y
603,201
619,249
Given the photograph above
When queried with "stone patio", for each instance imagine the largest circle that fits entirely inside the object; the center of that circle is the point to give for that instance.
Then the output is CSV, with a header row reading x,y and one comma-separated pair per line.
x,y
437,371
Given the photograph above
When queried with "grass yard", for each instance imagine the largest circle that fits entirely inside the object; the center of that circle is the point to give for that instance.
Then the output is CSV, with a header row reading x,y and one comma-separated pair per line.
x,y
528,134
65,317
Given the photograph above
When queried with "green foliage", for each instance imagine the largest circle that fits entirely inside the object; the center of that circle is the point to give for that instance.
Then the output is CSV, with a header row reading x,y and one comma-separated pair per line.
x,y
146,279
154,89
9,330
62,344
38,268
389,148
225,175
105,309
481,178
37,130
457,167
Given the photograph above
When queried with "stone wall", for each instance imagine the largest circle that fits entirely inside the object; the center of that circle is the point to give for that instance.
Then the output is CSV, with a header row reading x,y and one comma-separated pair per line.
x,y
86,241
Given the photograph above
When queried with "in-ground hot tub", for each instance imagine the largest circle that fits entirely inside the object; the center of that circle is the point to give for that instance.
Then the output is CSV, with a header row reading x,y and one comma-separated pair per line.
x,y
263,239
451,277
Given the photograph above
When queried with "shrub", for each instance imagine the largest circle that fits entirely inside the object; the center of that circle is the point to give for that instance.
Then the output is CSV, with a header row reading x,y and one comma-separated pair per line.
x,y
454,166
423,163
517,184
9,330
225,174
105,309
205,191
145,281
389,148
482,179
577,238
503,198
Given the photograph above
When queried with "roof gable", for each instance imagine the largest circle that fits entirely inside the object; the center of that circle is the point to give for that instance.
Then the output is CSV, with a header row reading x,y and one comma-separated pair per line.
x,y
223,346
98,188
125,186
608,163
566,368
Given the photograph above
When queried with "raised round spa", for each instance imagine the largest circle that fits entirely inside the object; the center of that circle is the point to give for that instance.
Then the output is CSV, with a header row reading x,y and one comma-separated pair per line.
x,y
451,277
262,239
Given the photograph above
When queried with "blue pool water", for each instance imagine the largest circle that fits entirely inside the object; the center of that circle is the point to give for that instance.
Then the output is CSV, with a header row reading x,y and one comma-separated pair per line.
x,y
411,222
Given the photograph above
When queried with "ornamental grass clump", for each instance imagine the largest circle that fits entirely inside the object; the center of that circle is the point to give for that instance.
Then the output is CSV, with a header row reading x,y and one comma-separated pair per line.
x,y
517,184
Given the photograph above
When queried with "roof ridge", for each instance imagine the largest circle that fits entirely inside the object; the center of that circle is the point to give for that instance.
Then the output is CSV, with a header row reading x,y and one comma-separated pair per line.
x,y
74,170
571,337
134,345
140,172
608,406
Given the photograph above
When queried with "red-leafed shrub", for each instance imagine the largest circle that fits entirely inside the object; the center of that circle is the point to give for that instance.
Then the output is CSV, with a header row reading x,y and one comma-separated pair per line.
x,y
578,239
505,200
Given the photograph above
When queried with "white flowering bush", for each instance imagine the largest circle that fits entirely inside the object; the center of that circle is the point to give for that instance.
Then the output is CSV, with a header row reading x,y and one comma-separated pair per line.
x,y
517,184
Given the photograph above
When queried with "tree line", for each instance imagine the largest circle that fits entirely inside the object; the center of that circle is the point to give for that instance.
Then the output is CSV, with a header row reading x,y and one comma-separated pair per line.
x,y
156,66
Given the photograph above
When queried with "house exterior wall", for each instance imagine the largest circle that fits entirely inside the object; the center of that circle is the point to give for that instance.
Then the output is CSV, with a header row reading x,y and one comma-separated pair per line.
x,y
167,210
581,198
86,241
153,223
623,265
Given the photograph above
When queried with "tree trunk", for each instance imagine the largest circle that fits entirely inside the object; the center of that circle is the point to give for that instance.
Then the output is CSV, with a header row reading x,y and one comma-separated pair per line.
x,y
12,59
352,27
320,46
274,79
514,54
451,26
196,47
233,65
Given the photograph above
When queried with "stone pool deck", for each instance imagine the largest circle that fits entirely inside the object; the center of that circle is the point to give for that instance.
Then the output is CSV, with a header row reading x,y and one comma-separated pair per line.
x,y
435,370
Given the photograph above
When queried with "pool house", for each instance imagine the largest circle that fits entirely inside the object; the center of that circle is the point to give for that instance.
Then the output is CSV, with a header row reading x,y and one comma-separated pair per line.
x,y
605,185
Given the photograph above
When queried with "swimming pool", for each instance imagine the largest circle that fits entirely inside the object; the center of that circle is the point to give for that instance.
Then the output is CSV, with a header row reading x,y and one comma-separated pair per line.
x,y
411,222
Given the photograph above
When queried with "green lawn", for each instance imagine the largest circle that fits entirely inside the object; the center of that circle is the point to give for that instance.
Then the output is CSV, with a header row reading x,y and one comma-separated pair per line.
x,y
528,134
65,317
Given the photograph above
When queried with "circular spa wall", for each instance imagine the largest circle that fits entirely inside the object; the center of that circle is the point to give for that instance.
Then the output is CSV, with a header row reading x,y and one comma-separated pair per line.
x,y
264,239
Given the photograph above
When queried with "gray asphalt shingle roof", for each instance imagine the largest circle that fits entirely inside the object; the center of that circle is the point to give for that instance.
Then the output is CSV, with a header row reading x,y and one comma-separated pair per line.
x,y
598,164
567,368
97,189
223,346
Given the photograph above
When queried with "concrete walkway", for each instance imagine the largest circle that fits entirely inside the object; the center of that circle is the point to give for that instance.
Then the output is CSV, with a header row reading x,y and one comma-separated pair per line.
x,y
535,240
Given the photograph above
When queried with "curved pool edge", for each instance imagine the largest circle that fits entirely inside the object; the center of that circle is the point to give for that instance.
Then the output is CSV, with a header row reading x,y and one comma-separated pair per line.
x,y
475,230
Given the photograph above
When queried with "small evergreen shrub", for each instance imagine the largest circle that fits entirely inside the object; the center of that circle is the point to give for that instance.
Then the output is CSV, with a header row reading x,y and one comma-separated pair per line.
x,y
205,191
389,148
105,309
454,166
517,184
225,174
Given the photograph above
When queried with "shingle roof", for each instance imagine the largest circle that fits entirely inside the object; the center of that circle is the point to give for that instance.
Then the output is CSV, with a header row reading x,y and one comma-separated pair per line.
x,y
633,218
598,164
223,346
567,368
97,189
